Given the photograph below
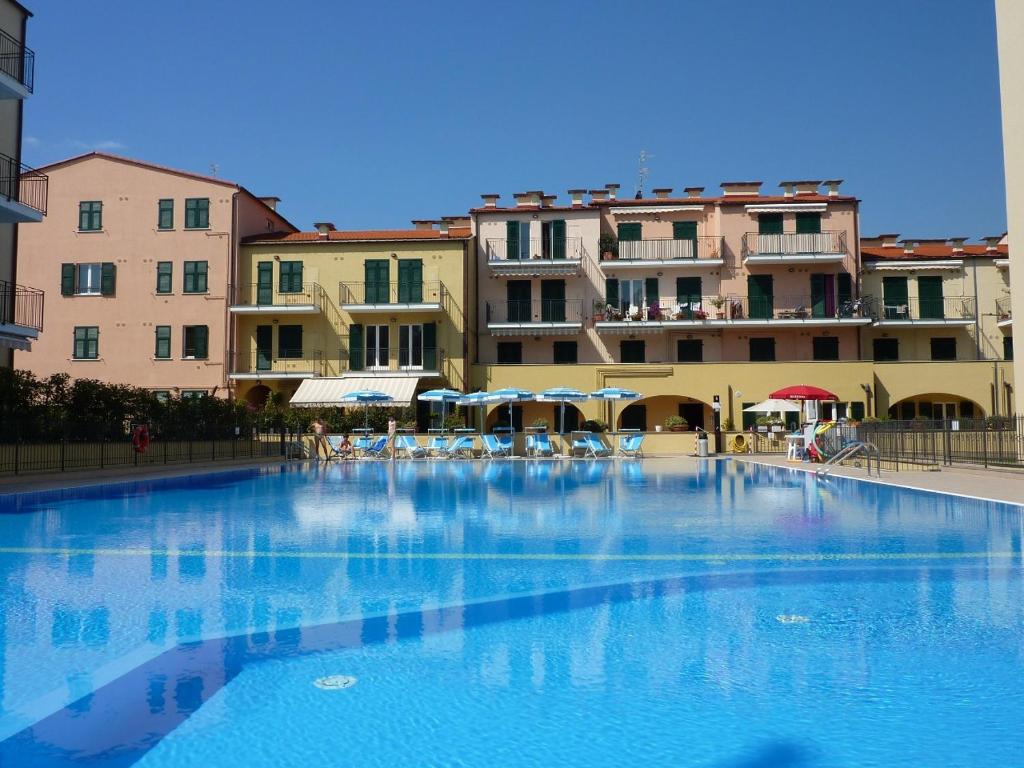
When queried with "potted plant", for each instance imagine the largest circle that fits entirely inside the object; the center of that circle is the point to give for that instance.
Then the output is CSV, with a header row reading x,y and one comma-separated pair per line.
x,y
598,310
676,424
654,310
540,425
718,302
769,423
727,424
608,246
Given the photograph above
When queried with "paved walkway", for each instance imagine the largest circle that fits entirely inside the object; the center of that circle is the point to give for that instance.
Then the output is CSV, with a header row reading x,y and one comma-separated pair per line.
x,y
994,484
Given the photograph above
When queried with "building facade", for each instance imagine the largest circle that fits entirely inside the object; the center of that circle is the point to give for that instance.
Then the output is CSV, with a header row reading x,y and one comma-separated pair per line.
x,y
23,190
136,260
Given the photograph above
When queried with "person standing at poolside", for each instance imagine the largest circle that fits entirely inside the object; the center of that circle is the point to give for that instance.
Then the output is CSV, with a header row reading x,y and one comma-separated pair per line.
x,y
320,439
392,429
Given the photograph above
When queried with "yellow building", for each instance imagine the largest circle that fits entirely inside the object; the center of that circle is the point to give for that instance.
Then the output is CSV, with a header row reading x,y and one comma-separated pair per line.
x,y
339,311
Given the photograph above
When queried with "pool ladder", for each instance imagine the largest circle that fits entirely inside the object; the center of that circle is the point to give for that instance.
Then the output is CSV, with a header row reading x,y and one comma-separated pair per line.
x,y
848,452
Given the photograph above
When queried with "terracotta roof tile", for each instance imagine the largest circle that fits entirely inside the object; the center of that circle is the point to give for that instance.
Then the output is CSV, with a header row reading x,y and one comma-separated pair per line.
x,y
930,251
366,235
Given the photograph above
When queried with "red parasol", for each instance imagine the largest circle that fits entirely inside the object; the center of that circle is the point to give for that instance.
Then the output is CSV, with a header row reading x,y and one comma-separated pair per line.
x,y
803,392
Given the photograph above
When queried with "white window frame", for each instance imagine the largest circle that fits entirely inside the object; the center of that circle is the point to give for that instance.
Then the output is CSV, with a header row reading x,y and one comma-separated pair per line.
x,y
94,282
406,361
375,352
626,298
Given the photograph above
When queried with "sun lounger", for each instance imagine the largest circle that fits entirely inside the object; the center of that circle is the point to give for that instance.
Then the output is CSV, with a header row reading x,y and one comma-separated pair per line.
x,y
631,445
460,448
378,449
495,448
437,445
539,445
591,445
407,444
334,443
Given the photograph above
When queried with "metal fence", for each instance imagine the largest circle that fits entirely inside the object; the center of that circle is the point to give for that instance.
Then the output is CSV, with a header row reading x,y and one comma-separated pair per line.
x,y
17,60
995,441
17,458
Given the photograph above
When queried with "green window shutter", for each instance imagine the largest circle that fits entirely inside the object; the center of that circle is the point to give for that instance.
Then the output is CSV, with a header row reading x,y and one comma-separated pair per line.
x,y
818,295
197,213
511,239
431,356
410,281
844,288
79,348
108,278
83,218
552,301
163,342
558,239
378,278
265,282
202,341
201,274
894,298
760,297
90,215
929,292
686,230
67,279
808,223
651,290
857,410
290,278
769,224
611,291
356,347
164,274
688,293
264,347
633,231
165,214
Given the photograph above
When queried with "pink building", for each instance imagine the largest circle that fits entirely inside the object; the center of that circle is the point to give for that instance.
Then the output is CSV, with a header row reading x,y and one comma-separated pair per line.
x,y
136,260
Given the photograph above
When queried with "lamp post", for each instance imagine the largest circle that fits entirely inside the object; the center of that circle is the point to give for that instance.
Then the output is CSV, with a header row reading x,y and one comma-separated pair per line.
x,y
716,407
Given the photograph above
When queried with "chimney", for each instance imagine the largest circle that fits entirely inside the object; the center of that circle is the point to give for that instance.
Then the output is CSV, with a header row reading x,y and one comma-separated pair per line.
x,y
787,188
546,201
536,196
613,190
577,197
662,193
522,198
323,227
908,246
459,220
992,243
957,243
741,188
490,200
694,191
270,202
422,224
444,228
599,195
805,187
833,186
887,240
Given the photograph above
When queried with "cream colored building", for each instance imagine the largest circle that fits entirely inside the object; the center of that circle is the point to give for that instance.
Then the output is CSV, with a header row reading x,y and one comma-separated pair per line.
x,y
136,260
23,190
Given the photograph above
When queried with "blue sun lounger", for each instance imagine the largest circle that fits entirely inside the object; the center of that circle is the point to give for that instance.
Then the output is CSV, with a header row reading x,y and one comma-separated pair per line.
x,y
494,448
361,445
461,448
539,445
378,449
407,444
591,445
437,445
631,445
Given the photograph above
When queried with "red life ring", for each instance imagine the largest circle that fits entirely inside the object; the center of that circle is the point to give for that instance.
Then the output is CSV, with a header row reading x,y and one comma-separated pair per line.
x,y
140,438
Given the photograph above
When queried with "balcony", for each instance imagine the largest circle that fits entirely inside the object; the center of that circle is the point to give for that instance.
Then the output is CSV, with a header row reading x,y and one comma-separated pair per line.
x,y
255,299
423,362
286,364
792,248
357,298
17,68
705,251
544,317
1004,313
729,311
534,258
21,315
916,312
23,193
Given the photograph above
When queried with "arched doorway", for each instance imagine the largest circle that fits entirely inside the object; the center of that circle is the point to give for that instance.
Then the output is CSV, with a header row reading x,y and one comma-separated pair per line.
x,y
257,396
648,412
935,406
528,413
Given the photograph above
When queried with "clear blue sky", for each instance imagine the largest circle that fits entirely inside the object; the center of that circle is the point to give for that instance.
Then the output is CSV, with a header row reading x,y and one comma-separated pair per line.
x,y
371,114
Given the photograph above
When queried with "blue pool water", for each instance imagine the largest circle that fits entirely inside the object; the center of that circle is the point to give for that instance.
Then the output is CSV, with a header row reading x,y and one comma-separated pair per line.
x,y
599,613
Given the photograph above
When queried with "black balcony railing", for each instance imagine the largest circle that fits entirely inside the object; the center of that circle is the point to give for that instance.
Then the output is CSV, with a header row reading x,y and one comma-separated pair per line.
x,y
387,359
1004,309
21,305
259,295
21,184
923,309
431,292
542,249
794,244
535,311
663,249
799,307
17,60
278,361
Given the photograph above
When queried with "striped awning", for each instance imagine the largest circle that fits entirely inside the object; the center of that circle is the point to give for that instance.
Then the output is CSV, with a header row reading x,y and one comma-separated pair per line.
x,y
323,392
15,341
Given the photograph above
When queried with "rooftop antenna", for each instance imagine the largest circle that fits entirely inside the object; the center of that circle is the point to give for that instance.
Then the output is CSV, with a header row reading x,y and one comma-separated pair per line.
x,y
642,172
214,168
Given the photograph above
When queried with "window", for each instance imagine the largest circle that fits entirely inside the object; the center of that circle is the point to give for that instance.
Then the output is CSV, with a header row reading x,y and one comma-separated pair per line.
x,y
929,298
517,239
197,213
564,352
769,224
195,277
377,347
289,341
410,346
195,342
162,395
825,347
808,223
87,342
633,351
510,352
634,416
88,279
690,351
410,281
165,214
857,410
163,342
290,277
377,274
885,350
193,394
90,216
1007,347
630,293
762,350
632,231
944,348
164,274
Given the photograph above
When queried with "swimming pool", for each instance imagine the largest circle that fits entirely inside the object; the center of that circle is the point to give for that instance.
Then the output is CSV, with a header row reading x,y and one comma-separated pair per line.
x,y
510,613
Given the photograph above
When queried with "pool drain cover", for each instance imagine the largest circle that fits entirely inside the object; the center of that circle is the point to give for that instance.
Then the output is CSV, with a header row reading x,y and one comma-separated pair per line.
x,y
334,682
791,618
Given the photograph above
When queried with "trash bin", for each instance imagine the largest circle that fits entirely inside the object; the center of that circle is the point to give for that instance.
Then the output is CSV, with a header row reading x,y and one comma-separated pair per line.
x,y
702,446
